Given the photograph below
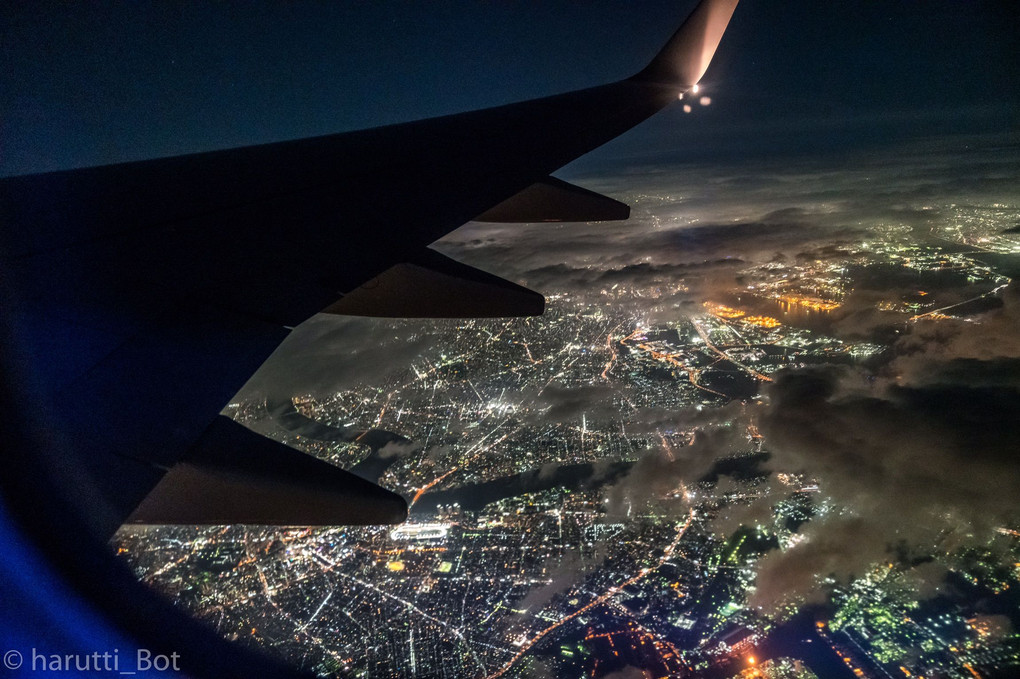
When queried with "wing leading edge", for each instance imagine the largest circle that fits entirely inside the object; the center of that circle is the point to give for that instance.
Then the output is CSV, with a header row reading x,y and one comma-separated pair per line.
x,y
171,280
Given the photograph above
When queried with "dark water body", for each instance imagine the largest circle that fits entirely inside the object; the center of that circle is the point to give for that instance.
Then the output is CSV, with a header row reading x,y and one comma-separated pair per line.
x,y
729,379
572,477
1005,263
798,638
287,417
476,496
977,306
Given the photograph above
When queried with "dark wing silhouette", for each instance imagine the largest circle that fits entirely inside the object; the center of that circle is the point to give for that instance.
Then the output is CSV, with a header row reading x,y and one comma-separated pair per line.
x,y
150,291
139,297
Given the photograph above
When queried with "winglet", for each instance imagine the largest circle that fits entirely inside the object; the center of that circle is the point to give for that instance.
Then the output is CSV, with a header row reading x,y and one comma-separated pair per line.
x,y
686,56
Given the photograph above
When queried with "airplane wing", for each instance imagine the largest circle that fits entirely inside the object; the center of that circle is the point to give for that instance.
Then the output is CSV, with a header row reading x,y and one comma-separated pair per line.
x,y
140,297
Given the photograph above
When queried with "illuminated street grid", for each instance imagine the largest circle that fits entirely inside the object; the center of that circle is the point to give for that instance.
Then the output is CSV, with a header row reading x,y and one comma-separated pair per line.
x,y
557,580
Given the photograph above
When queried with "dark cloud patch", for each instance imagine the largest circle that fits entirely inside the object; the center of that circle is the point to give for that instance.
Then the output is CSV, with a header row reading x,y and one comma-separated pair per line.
x,y
559,403
860,319
923,452
831,251
645,270
989,336
983,333
918,465
658,479
398,449
562,276
823,552
909,452
570,570
663,241
789,230
329,353
787,215
997,373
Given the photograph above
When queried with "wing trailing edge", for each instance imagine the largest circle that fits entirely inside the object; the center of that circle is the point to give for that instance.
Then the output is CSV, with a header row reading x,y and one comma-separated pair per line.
x,y
554,200
235,476
432,285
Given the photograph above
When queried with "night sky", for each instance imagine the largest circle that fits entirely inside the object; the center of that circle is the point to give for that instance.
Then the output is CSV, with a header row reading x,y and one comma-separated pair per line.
x,y
86,85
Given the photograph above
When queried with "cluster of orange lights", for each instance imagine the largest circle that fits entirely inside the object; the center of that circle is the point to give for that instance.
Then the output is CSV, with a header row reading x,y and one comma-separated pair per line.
x,y
812,303
762,321
753,671
723,311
